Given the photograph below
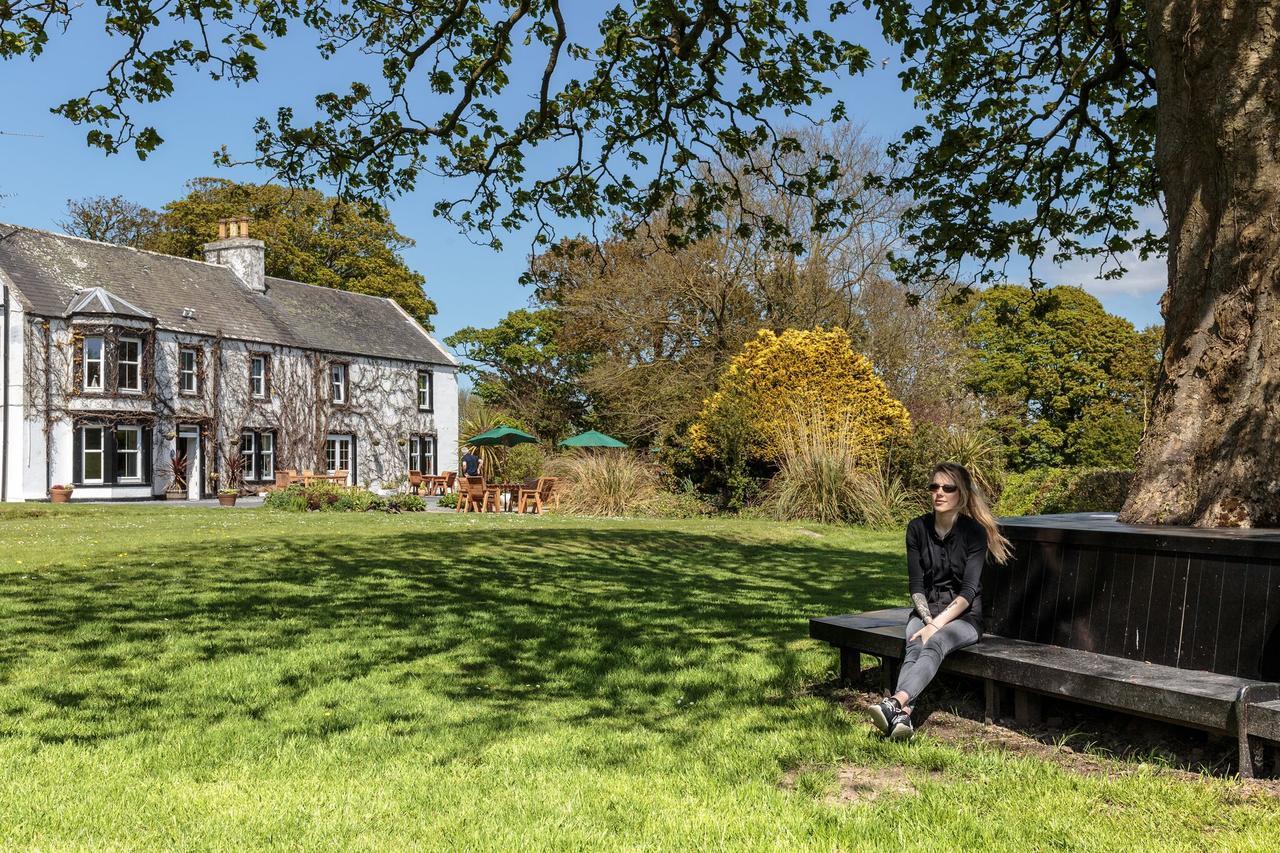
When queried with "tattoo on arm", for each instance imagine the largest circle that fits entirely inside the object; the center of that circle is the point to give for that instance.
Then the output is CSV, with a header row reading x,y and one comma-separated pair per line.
x,y
922,607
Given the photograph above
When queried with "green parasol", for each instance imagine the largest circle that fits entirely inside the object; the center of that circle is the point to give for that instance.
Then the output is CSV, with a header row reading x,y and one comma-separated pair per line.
x,y
500,435
591,438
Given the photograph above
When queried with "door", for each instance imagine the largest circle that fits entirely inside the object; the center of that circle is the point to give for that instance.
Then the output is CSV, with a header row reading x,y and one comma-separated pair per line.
x,y
337,455
189,446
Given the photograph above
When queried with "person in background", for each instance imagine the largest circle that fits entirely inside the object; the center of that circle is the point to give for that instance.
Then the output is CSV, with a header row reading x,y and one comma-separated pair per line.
x,y
946,549
471,463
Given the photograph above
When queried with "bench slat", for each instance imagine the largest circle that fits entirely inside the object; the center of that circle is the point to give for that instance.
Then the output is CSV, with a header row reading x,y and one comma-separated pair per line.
x,y
1202,699
1264,720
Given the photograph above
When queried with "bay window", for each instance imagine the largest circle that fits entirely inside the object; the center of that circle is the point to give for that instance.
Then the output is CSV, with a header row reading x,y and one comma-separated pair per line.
x,y
128,451
91,374
129,364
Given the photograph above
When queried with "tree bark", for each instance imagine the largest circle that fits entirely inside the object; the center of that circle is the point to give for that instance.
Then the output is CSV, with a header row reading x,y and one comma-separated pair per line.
x,y
1211,454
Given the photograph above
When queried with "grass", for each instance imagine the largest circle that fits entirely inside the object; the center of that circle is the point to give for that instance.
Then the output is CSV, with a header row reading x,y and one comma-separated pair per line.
x,y
227,679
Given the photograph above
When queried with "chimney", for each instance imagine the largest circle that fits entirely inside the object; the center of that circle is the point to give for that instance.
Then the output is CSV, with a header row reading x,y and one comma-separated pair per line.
x,y
235,249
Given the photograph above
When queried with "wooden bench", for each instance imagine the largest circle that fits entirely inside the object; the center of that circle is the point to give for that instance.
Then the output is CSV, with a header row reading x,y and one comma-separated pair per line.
x,y
1245,708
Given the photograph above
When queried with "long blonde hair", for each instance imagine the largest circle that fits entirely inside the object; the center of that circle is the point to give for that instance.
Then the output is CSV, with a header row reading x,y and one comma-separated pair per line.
x,y
974,504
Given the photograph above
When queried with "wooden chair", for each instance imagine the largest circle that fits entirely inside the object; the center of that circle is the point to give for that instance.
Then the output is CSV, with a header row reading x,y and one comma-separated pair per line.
x,y
416,481
476,493
539,496
448,482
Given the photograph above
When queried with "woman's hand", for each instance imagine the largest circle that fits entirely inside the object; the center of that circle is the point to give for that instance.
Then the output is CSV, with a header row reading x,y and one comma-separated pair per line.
x,y
924,634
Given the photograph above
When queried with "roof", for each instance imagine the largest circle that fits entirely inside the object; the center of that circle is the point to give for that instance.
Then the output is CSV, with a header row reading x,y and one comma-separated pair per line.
x,y
55,275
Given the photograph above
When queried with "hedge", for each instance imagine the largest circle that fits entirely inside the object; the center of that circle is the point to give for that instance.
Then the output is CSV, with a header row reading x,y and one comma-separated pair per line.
x,y
1052,490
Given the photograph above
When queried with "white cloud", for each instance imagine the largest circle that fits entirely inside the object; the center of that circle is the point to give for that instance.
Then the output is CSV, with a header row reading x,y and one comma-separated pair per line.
x,y
1141,278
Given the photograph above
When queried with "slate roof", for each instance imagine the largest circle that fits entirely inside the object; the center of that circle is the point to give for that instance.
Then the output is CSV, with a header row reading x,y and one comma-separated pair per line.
x,y
51,273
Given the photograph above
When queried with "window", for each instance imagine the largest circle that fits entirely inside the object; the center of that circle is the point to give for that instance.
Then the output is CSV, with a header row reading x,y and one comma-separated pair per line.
x,y
91,379
129,364
128,451
258,376
338,455
426,391
187,377
111,455
267,455
258,447
422,454
91,454
249,450
338,382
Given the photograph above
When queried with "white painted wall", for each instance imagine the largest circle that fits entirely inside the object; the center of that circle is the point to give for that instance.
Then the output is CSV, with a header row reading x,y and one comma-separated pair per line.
x,y
382,409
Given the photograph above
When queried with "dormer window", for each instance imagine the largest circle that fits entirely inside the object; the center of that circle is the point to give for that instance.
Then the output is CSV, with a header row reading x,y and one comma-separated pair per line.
x,y
338,382
91,376
129,365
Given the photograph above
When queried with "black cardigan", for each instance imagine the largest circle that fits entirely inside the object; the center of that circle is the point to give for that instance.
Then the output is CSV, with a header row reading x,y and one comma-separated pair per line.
x,y
943,568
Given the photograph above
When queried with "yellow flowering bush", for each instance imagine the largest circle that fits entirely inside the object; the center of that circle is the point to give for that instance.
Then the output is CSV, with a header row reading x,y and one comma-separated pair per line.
x,y
777,377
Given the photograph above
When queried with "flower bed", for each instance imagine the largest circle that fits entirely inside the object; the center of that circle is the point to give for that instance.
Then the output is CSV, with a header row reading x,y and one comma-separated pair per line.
x,y
329,497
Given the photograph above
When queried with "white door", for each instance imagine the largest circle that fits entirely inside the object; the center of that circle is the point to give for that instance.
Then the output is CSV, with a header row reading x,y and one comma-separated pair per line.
x,y
337,454
189,443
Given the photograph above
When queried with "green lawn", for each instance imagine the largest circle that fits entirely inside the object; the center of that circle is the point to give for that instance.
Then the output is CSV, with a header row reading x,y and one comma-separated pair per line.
x,y
205,678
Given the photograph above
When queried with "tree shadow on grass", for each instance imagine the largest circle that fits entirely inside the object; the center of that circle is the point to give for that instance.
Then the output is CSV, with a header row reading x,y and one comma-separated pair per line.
x,y
635,627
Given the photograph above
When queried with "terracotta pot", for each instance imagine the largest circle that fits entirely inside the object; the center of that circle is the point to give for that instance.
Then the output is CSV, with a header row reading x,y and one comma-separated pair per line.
x,y
60,496
227,500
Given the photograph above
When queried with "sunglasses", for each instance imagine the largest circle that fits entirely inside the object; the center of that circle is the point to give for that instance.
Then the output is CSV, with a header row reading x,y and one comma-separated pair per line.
x,y
951,490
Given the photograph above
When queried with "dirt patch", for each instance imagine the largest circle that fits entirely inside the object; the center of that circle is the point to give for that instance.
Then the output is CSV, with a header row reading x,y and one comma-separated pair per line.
x,y
1079,739
855,784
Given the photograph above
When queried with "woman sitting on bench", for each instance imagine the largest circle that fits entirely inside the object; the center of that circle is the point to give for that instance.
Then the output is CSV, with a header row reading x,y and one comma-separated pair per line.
x,y
946,549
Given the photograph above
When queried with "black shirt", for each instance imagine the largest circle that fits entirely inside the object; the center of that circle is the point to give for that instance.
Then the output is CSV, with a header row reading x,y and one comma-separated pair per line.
x,y
470,464
943,568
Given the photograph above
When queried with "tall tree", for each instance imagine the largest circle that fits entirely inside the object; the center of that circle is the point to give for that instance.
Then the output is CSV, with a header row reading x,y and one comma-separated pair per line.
x,y
1063,381
518,365
310,237
1051,123
110,219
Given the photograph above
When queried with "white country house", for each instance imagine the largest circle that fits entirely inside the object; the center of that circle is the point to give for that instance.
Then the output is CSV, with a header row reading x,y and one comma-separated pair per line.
x,y
114,359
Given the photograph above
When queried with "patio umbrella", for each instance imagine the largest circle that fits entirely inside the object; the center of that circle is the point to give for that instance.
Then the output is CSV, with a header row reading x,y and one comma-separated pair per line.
x,y
591,438
500,435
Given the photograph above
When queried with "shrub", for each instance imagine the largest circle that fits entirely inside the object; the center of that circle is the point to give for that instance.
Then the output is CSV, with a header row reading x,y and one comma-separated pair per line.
x,y
682,504
604,483
524,461
448,501
289,499
811,369
405,503
1055,490
823,477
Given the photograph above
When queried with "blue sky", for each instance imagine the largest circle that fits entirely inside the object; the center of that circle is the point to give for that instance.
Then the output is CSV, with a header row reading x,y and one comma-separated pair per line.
x,y
471,284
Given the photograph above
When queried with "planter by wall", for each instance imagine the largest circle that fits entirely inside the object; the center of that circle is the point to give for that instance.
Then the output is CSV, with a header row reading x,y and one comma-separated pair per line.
x,y
61,494
227,500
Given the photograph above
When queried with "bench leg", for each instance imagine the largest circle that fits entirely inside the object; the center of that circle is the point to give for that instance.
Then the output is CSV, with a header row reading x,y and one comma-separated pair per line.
x,y
1026,707
889,674
850,665
991,695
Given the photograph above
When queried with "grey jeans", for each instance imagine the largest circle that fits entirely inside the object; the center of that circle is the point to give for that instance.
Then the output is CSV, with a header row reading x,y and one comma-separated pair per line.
x,y
921,661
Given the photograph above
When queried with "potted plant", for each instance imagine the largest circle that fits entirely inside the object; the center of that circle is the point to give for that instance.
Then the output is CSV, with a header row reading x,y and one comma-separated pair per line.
x,y
176,471
60,494
231,477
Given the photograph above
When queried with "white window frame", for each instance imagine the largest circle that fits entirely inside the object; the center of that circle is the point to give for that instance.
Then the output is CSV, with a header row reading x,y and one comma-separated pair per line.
x,y
258,376
427,390
184,373
121,362
250,455
100,361
333,447
136,453
337,382
421,446
101,453
267,450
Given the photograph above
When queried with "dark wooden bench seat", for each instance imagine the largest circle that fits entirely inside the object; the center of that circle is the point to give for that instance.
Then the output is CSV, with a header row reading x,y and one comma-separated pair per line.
x,y
1205,700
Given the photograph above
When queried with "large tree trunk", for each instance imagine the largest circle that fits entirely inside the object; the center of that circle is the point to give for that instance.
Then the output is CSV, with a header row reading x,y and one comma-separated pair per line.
x,y
1211,453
